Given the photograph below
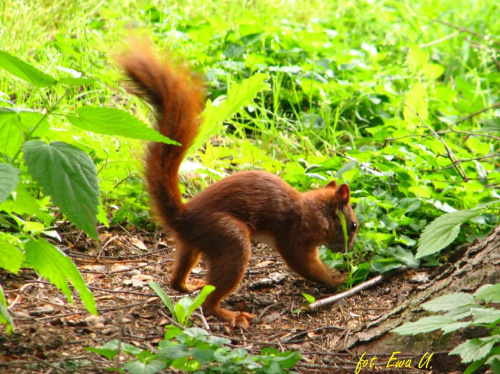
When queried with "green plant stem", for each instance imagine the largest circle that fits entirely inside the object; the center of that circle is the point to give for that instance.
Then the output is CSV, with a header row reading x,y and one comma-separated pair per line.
x,y
40,121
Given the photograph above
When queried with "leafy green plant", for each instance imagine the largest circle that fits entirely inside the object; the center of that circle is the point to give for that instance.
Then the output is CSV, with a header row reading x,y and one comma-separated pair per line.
x,y
184,308
194,349
55,165
463,310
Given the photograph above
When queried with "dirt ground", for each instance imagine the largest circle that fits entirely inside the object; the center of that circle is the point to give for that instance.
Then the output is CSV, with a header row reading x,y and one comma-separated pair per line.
x,y
50,333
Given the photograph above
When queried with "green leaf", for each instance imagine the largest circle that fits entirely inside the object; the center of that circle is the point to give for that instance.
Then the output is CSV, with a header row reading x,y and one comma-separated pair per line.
x,y
239,95
448,302
11,258
181,308
416,102
455,326
5,318
489,293
344,228
310,299
486,315
54,265
442,231
11,135
68,175
151,367
163,296
112,121
426,324
491,125
198,300
25,71
9,177
475,349
23,202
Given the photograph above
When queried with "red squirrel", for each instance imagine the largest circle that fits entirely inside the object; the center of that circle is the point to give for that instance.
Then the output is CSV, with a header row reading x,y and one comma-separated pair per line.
x,y
220,222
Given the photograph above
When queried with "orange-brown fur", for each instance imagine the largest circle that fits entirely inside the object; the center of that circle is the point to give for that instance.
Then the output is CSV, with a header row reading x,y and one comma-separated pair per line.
x,y
220,222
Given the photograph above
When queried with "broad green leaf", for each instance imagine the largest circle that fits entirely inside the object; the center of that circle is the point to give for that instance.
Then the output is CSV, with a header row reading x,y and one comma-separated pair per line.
x,y
25,71
489,293
151,367
455,326
448,302
11,258
68,175
11,136
485,315
54,265
198,300
426,324
442,231
475,349
416,102
163,296
417,58
112,121
111,349
9,177
239,95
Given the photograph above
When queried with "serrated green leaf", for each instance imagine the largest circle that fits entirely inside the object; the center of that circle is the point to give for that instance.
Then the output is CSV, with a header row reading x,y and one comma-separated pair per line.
x,y
489,293
239,95
25,71
455,326
54,265
151,367
426,324
416,102
198,300
112,121
448,302
9,177
442,231
11,258
163,296
485,315
68,175
475,349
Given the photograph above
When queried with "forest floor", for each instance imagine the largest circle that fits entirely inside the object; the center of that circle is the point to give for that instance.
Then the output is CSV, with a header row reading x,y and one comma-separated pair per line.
x,y
50,333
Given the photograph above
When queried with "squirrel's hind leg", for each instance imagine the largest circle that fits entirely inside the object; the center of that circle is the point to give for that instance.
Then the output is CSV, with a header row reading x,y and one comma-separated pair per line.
x,y
186,258
227,263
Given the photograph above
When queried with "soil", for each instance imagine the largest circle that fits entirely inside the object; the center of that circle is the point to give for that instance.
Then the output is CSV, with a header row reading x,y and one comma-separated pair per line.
x,y
51,333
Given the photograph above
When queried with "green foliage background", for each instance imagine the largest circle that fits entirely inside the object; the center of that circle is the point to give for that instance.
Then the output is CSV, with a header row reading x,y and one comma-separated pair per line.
x,y
382,95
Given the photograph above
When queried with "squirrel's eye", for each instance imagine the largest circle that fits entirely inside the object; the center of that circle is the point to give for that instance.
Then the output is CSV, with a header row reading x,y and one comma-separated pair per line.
x,y
354,225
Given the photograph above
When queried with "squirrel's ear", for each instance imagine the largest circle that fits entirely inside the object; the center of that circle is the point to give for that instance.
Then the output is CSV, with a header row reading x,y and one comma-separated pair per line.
x,y
332,184
343,194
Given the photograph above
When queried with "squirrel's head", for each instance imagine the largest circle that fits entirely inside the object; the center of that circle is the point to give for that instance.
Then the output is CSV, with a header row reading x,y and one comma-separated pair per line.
x,y
341,210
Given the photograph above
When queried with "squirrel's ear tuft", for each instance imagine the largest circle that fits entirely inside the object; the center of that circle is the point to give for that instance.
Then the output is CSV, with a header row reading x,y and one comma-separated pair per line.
x,y
332,184
343,194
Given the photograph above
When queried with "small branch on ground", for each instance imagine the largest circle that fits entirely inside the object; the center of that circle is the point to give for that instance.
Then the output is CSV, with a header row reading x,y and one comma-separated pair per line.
x,y
355,290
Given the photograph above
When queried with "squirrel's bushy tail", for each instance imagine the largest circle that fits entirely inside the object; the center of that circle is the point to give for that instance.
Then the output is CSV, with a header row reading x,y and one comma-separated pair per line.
x,y
178,100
